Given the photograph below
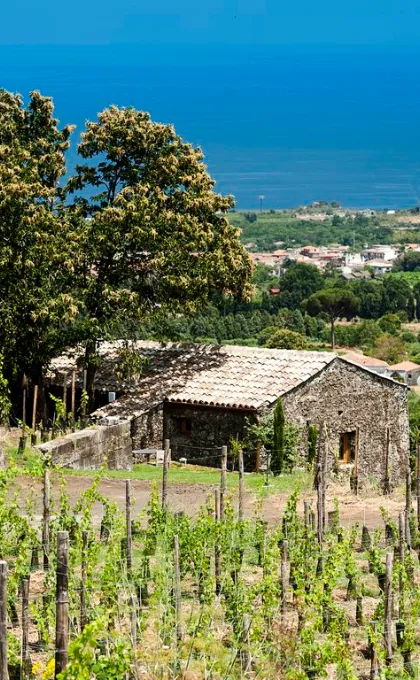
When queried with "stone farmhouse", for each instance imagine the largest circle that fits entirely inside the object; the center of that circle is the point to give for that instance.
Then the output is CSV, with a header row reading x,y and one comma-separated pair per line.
x,y
200,396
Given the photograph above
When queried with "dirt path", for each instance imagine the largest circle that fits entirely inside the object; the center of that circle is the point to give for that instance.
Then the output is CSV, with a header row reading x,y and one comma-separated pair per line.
x,y
364,508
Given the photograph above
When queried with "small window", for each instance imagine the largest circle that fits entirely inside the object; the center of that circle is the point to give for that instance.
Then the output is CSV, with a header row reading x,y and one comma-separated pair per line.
x,y
185,427
348,447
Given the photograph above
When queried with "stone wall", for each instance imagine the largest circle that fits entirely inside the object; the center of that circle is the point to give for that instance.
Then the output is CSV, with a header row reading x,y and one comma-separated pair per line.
x,y
147,429
211,428
344,398
90,448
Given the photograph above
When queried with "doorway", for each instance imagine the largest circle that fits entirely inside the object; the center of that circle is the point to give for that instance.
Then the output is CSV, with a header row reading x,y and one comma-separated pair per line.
x,y
348,447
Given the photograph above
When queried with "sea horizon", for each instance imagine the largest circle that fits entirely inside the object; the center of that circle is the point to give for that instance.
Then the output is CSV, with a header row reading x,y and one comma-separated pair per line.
x,y
295,124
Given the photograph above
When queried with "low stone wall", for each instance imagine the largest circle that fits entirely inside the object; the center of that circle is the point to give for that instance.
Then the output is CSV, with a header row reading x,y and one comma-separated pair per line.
x,y
90,448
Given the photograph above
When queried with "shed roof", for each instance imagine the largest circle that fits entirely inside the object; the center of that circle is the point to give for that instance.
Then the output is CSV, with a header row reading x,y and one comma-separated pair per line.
x,y
235,377
406,366
222,376
364,359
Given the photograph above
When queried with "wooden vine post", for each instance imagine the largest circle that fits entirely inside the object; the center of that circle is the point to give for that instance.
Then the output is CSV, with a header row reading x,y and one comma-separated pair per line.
x,y
46,519
166,459
83,612
388,609
386,479
408,504
177,590
418,484
217,555
73,397
223,473
65,394
128,526
34,407
4,672
283,575
374,666
26,666
241,490
62,604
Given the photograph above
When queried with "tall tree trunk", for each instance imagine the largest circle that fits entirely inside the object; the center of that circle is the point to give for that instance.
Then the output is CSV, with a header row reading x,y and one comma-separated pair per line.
x,y
332,334
91,368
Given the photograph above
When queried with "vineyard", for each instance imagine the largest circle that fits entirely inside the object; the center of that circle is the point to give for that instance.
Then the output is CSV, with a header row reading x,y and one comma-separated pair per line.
x,y
215,596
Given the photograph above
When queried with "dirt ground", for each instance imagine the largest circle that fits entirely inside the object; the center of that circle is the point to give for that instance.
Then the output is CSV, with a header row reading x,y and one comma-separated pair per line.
x,y
364,508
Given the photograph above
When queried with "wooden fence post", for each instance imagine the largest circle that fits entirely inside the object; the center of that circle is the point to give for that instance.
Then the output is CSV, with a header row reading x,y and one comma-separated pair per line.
x,y
73,397
177,589
65,393
388,609
374,669
217,556
386,479
128,526
46,519
223,472
241,490
4,672
418,484
245,654
26,665
133,619
62,603
34,407
166,455
283,572
83,614
408,504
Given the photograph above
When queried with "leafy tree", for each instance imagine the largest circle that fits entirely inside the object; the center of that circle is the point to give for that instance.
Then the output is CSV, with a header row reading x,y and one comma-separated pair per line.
x,y
408,262
285,339
390,348
157,237
397,295
277,456
370,296
298,283
36,246
390,323
336,303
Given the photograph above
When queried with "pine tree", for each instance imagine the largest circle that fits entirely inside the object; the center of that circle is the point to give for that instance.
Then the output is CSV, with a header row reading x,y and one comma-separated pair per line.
x,y
277,456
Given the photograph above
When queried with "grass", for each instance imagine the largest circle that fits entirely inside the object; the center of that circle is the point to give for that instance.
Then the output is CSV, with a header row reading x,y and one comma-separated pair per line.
x,y
30,462
196,474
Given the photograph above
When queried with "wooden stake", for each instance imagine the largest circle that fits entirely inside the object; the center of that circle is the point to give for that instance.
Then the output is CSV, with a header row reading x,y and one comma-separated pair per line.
x,y
307,515
177,589
26,666
24,410
65,393
217,556
283,572
245,655
388,609
407,513
418,484
386,480
128,526
34,407
166,455
133,619
4,672
356,463
83,613
62,604
359,611
374,668
46,519
223,472
241,490
73,396
257,458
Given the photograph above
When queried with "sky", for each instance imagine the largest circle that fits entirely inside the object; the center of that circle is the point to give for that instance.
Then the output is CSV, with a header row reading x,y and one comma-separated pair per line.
x,y
203,22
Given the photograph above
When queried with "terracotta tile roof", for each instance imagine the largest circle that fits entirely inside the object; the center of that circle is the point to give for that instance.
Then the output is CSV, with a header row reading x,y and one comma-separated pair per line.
x,y
235,377
363,359
405,366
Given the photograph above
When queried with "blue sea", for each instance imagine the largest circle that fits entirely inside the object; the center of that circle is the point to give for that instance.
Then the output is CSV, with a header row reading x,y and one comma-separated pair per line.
x,y
291,124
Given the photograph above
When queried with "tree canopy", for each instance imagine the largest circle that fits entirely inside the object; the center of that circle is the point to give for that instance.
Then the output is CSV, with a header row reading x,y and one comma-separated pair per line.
x,y
336,303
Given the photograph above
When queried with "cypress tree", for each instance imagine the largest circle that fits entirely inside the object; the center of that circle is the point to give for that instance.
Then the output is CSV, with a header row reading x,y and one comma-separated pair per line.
x,y
277,457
